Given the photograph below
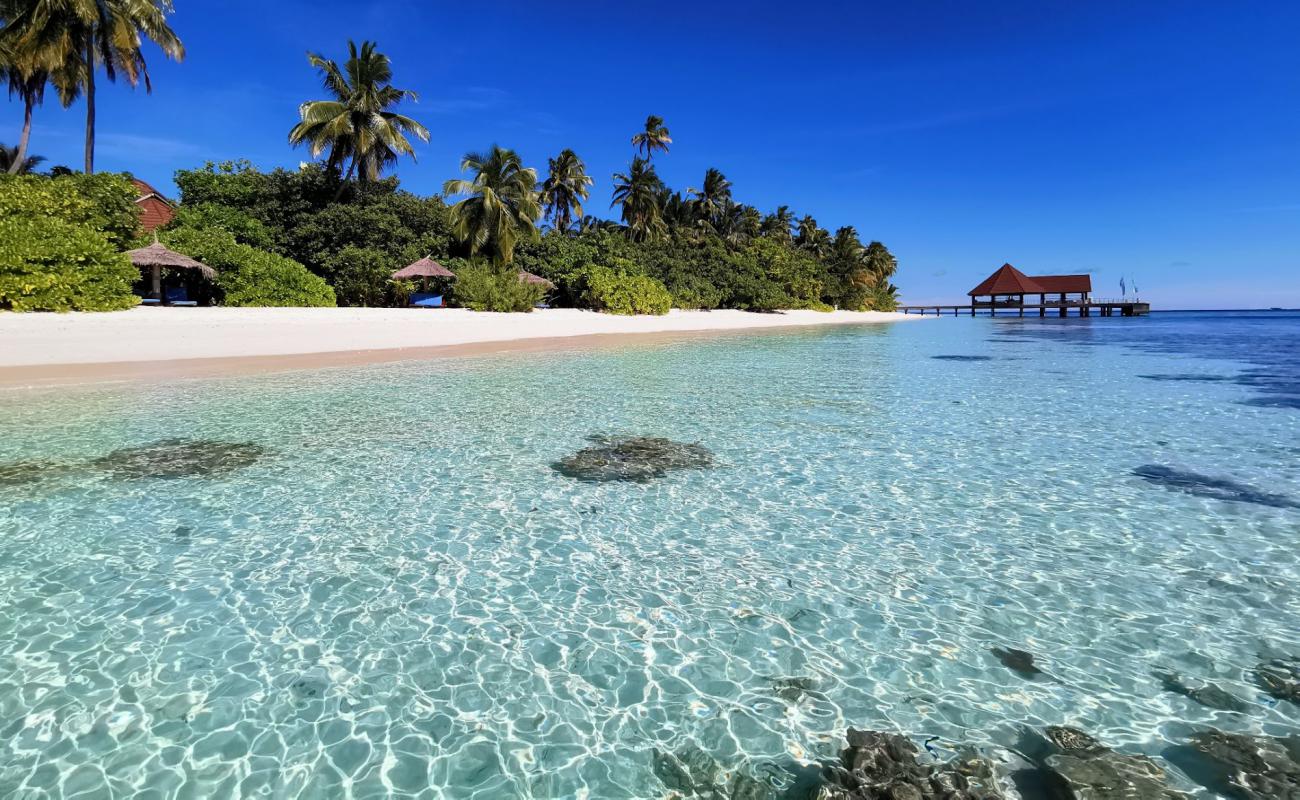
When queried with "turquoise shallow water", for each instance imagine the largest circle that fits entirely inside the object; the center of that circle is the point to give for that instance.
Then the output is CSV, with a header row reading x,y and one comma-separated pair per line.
x,y
401,597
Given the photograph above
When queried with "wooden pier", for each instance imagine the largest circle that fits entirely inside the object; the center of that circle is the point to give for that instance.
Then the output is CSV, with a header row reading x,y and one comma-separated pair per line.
x,y
1007,288
1089,308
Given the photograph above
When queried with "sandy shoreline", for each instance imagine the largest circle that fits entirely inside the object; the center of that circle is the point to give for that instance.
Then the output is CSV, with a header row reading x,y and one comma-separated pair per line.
x,y
157,343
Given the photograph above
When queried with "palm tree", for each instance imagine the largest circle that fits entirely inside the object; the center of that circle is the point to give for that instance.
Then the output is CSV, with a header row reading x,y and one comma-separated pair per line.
x,y
813,238
711,200
589,224
71,39
501,204
777,224
24,73
357,125
654,137
26,67
564,189
638,192
15,162
881,263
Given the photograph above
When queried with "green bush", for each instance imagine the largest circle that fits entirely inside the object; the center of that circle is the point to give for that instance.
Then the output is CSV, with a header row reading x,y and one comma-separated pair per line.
x,y
247,276
47,264
245,228
481,287
361,276
103,202
603,289
694,292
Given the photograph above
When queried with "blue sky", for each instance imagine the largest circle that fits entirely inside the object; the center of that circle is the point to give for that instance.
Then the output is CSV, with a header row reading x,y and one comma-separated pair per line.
x,y
1158,141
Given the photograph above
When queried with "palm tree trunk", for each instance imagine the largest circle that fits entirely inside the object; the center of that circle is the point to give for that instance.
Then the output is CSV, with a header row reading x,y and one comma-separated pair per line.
x,y
90,105
21,157
352,168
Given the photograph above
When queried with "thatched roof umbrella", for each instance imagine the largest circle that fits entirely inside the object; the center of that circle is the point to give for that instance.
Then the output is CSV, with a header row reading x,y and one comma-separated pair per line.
x,y
528,277
156,256
424,269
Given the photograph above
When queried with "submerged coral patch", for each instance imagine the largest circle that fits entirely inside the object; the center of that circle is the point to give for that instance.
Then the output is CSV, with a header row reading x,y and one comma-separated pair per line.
x,y
179,458
1194,483
1018,661
1280,678
1240,766
632,458
18,473
1208,695
887,766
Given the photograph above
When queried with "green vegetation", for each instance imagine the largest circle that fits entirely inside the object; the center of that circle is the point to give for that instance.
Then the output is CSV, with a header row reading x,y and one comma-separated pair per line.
x,y
61,242
54,265
335,230
247,276
501,205
357,126
489,287
603,289
564,190
64,43
14,163
103,203
653,137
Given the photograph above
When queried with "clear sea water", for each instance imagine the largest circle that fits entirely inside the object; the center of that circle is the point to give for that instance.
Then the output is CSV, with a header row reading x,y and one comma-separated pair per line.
x,y
402,598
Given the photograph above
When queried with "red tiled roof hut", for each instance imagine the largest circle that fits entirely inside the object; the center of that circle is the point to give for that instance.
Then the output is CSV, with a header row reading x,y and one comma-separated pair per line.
x,y
155,210
1012,285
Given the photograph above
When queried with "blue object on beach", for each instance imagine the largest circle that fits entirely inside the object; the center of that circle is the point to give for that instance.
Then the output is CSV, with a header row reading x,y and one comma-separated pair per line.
x,y
426,300
150,301
177,296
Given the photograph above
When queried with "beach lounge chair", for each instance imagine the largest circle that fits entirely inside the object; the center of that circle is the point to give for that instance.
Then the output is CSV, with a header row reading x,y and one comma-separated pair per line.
x,y
425,300
177,296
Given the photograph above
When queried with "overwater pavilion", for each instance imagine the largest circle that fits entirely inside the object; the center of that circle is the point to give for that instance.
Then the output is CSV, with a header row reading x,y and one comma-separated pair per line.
x,y
1008,286
1009,289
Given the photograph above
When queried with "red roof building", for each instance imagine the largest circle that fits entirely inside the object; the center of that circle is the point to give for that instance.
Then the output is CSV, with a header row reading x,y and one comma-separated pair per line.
x,y
155,209
1008,281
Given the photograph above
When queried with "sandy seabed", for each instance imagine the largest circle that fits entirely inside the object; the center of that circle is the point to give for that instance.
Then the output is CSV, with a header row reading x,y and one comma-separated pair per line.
x,y
146,343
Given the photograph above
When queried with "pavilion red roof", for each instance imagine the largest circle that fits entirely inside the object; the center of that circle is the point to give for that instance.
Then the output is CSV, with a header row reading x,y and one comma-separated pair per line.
x,y
1007,280
1064,283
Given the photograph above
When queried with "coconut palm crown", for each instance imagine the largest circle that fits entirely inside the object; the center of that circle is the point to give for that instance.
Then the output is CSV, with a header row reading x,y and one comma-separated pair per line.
x,y
68,41
564,189
638,192
501,204
654,137
357,126
16,163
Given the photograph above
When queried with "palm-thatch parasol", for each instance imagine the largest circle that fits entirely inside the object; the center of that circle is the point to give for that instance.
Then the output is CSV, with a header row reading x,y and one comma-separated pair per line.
x,y
156,256
424,269
528,277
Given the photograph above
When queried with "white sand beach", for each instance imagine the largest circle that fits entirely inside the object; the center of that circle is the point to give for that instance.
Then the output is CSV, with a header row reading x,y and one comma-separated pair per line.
x,y
144,342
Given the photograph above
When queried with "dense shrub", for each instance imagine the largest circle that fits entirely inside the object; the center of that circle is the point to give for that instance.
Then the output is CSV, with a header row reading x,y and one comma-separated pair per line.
x,y
481,287
604,289
47,264
104,202
362,276
307,218
247,276
243,226
694,292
